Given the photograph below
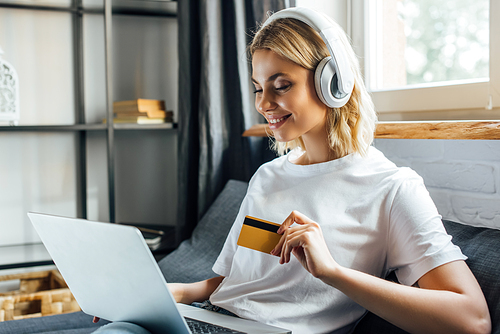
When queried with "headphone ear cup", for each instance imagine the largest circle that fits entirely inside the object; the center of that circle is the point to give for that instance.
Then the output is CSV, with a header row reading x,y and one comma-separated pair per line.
x,y
318,73
326,83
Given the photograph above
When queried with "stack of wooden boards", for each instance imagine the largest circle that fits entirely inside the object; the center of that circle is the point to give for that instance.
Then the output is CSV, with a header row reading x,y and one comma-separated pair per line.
x,y
141,111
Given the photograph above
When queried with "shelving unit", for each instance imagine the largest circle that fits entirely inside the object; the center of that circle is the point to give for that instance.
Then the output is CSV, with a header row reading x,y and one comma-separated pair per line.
x,y
82,129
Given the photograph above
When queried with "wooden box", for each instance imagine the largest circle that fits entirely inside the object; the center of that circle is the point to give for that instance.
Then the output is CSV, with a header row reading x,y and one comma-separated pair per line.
x,y
40,294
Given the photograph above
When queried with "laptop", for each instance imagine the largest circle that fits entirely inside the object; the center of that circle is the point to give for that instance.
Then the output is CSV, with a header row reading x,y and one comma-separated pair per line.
x,y
113,275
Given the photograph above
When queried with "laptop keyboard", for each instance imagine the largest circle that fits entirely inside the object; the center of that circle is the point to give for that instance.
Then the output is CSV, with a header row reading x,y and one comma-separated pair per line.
x,y
200,327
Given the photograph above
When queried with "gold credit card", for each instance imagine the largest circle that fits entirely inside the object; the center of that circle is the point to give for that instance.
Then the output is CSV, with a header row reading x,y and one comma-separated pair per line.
x,y
259,235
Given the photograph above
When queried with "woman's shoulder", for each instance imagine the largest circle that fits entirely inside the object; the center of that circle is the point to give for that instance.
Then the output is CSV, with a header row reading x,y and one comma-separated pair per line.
x,y
273,164
378,164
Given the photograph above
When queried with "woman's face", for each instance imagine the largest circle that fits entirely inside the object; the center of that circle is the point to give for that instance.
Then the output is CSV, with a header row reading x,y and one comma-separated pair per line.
x,y
286,97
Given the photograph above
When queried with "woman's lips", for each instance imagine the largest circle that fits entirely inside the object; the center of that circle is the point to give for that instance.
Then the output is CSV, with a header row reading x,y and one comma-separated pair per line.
x,y
276,122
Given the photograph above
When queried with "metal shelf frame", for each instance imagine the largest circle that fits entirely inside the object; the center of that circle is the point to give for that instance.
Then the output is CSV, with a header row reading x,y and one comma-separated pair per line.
x,y
120,9
80,128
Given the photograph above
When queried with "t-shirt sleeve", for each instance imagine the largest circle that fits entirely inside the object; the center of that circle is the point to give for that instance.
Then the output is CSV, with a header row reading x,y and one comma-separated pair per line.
x,y
418,241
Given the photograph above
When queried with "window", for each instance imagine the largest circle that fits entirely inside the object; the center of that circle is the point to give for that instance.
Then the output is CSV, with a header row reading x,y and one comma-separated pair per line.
x,y
430,60
425,59
417,42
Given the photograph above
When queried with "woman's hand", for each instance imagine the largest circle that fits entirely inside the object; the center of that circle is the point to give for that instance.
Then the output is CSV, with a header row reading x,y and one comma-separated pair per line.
x,y
177,291
307,244
187,293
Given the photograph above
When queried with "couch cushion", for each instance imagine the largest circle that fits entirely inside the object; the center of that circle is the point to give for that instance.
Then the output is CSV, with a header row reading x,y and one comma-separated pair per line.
x,y
68,323
481,246
192,261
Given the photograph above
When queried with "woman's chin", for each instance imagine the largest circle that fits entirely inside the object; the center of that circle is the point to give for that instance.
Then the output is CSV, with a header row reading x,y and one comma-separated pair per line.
x,y
282,137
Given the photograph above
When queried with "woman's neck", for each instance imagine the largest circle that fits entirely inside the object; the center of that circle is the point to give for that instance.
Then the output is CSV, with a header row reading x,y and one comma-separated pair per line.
x,y
316,153
317,148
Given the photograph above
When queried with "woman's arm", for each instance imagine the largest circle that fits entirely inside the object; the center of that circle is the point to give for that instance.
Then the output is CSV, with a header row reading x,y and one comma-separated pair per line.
x,y
188,293
449,299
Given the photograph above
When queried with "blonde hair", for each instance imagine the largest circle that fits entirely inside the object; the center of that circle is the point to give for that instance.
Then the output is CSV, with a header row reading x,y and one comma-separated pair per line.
x,y
351,127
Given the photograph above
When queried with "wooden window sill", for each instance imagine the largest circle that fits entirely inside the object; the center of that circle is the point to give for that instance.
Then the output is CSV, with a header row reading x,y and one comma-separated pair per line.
x,y
478,130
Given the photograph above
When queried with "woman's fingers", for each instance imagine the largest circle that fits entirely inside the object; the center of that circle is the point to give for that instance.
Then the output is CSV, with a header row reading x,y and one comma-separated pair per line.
x,y
300,237
294,217
293,240
283,249
306,242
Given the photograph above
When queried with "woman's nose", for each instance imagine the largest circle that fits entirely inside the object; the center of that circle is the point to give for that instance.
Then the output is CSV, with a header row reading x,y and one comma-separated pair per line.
x,y
265,103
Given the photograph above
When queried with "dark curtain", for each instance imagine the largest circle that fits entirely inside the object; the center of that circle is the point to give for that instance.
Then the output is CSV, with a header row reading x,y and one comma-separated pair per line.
x,y
216,101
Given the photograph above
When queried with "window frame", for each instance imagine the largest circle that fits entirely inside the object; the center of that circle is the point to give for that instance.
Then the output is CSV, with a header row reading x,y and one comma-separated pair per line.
x,y
467,100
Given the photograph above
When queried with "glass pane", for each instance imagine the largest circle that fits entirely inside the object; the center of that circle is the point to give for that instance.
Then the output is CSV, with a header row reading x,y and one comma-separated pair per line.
x,y
146,177
164,7
22,254
93,4
415,42
39,45
138,73
95,68
36,174
97,176
52,3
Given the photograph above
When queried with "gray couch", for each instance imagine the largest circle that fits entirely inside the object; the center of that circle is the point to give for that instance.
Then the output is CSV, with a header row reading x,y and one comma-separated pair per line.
x,y
192,261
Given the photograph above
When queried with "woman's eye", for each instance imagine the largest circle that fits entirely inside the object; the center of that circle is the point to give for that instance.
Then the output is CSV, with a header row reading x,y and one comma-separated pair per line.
x,y
282,88
257,91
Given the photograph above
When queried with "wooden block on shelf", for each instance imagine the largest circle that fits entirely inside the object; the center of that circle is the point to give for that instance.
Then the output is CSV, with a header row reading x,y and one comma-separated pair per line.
x,y
40,294
138,105
150,113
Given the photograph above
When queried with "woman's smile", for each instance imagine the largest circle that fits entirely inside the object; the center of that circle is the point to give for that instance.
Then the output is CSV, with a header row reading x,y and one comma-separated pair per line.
x,y
276,121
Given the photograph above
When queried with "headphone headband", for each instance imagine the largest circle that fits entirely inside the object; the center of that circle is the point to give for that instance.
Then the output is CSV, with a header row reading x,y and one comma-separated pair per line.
x,y
327,31
312,18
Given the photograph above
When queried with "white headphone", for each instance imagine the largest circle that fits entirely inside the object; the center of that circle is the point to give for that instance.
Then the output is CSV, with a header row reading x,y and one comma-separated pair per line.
x,y
333,77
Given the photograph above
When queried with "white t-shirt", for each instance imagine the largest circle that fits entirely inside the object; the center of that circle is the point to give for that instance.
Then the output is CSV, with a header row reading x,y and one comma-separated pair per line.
x,y
375,218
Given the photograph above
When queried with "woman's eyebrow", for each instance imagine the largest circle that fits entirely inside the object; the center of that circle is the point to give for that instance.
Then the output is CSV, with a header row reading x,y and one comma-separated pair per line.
x,y
272,77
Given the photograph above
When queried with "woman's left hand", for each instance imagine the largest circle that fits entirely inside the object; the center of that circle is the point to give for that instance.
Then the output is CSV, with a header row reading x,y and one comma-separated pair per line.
x,y
449,299
307,244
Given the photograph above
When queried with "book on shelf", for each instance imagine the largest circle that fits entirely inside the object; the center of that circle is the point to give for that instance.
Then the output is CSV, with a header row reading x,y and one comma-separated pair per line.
x,y
153,237
151,114
138,105
140,120
153,241
141,111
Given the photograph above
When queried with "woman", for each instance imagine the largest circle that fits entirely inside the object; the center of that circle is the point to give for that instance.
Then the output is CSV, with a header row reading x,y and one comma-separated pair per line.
x,y
357,216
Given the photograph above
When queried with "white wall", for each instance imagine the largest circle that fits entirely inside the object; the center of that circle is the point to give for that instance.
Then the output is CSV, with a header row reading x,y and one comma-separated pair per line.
x,y
462,176
335,9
